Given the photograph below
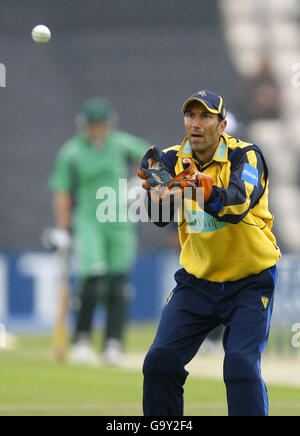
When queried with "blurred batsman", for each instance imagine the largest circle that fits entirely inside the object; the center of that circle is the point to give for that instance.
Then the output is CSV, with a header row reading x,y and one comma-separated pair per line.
x,y
228,255
96,157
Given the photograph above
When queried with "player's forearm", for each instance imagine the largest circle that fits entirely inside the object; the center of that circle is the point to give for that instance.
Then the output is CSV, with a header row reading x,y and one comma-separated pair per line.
x,y
62,205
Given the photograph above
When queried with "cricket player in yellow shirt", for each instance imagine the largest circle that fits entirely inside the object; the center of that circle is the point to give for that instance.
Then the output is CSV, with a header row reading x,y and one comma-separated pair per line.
x,y
228,258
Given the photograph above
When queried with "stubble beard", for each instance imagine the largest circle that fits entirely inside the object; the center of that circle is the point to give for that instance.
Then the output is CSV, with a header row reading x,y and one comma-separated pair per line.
x,y
204,149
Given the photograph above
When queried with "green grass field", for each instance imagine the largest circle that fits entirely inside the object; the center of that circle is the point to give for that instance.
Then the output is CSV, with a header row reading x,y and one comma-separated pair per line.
x,y
33,385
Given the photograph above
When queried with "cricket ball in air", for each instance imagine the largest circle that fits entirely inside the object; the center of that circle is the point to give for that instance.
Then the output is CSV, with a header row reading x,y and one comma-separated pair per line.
x,y
41,34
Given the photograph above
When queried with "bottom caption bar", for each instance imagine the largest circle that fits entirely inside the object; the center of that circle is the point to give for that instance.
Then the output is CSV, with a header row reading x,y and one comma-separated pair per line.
x,y
139,425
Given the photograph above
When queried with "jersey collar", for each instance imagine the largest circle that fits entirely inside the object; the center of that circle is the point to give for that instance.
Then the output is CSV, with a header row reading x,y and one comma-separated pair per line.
x,y
221,153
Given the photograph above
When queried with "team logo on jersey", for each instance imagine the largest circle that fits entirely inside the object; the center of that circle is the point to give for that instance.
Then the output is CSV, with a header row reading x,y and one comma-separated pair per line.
x,y
265,301
250,174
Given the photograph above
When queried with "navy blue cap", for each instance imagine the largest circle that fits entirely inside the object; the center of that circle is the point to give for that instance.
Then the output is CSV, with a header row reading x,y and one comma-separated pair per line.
x,y
212,102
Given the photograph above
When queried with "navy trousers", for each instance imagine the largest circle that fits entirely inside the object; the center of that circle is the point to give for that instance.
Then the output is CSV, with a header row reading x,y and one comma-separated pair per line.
x,y
194,308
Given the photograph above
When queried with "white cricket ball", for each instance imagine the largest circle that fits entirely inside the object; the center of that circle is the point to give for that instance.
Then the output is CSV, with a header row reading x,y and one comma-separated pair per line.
x,y
41,34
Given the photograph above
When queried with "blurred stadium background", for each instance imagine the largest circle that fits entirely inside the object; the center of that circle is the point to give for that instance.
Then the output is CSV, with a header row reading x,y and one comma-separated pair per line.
x,y
146,57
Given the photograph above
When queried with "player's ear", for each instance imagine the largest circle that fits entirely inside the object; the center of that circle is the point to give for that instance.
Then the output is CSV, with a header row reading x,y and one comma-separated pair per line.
x,y
221,127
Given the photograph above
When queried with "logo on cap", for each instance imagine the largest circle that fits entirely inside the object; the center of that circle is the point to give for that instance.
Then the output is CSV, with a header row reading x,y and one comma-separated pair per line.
x,y
212,102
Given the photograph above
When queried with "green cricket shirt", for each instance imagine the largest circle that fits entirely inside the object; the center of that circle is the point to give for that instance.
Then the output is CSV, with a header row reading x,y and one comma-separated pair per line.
x,y
81,169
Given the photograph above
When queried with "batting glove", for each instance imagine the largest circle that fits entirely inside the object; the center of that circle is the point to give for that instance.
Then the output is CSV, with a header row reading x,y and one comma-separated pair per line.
x,y
57,239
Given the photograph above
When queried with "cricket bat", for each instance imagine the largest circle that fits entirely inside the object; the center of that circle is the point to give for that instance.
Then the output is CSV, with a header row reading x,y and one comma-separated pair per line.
x,y
60,333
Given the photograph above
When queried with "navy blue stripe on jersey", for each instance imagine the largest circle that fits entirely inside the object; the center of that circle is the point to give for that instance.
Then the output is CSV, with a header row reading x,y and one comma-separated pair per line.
x,y
236,195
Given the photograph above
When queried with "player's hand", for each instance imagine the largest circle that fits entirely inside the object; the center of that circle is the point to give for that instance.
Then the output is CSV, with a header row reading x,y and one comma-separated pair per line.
x,y
57,239
152,170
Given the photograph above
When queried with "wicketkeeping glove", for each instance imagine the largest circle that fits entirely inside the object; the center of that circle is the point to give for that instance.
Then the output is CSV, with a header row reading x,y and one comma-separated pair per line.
x,y
153,170
191,178
161,185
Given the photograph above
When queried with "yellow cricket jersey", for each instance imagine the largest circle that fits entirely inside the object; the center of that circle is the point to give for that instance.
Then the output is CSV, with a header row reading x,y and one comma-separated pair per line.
x,y
231,238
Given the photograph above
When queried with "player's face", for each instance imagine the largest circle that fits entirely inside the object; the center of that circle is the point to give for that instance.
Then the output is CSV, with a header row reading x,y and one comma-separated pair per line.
x,y
97,131
203,129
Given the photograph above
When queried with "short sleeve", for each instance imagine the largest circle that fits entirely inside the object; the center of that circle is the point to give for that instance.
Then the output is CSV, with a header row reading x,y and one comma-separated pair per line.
x,y
61,177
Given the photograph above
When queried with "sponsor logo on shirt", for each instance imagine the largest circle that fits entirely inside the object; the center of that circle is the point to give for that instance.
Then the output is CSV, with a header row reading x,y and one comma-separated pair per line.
x,y
199,221
250,174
